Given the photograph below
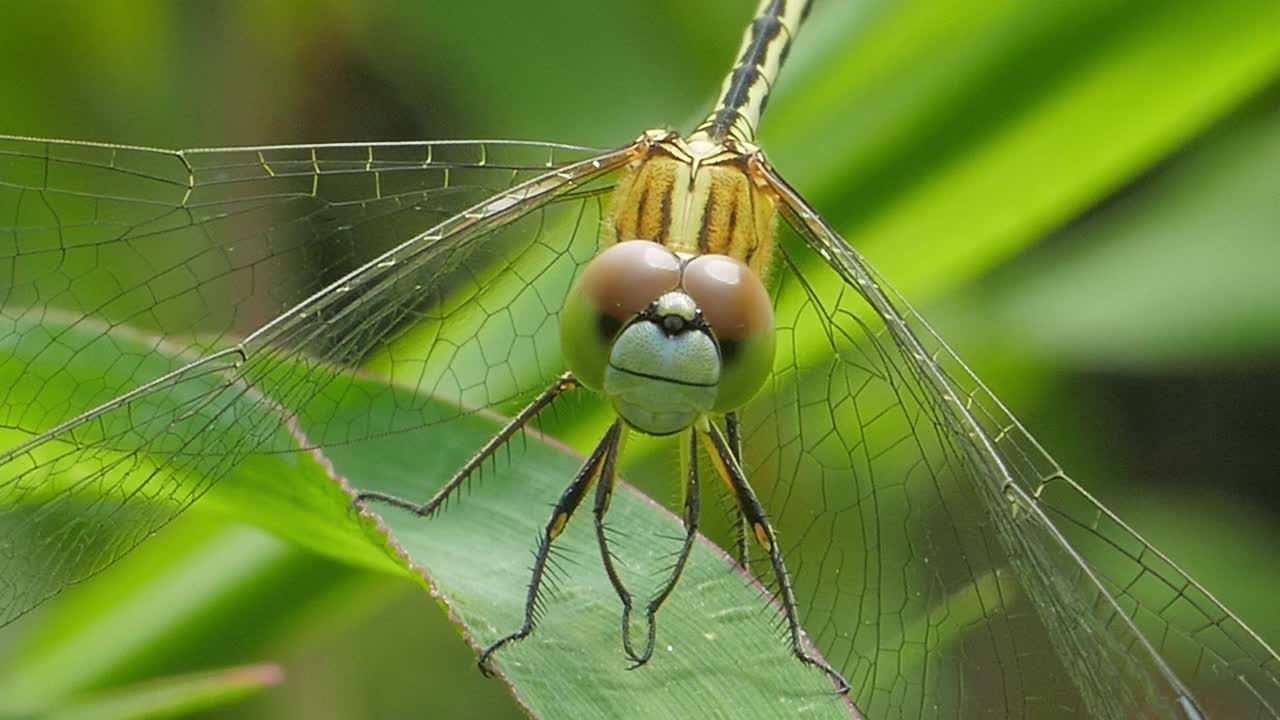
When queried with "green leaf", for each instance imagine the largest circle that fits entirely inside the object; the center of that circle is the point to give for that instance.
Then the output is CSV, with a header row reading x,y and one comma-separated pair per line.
x,y
717,642
165,608
173,697
963,133
1178,272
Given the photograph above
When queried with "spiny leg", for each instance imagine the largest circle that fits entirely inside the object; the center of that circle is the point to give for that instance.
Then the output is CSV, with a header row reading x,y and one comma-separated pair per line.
x,y
565,382
568,502
604,493
734,438
691,509
753,513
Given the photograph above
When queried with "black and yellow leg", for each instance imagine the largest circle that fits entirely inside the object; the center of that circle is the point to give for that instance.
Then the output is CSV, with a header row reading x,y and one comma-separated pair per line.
x,y
734,437
568,502
563,383
604,493
753,513
692,506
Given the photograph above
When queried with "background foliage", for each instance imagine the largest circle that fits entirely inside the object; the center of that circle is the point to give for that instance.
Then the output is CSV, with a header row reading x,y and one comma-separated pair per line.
x,y
1081,197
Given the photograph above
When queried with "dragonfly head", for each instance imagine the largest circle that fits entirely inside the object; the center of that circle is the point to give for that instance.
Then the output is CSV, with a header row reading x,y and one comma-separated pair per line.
x,y
667,337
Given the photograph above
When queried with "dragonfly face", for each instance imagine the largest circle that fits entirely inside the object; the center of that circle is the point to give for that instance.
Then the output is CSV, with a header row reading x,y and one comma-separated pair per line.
x,y
668,339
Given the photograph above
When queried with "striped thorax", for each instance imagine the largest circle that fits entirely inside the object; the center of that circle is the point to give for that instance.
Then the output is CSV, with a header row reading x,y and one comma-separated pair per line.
x,y
696,197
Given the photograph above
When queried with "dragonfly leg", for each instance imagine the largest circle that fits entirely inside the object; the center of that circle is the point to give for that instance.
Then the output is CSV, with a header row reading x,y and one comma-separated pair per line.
x,y
753,513
734,436
563,383
568,502
604,493
691,510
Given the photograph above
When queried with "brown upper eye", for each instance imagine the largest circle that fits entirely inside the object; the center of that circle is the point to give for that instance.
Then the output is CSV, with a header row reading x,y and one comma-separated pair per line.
x,y
625,278
732,299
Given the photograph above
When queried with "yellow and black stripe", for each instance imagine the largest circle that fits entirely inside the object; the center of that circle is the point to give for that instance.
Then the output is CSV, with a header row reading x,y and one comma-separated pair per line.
x,y
746,90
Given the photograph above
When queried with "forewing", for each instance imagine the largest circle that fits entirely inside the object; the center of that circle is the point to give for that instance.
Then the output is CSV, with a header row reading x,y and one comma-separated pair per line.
x,y
165,315
942,559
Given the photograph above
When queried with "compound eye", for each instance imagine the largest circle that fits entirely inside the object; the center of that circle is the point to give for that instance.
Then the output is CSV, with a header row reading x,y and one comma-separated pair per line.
x,y
736,305
621,281
617,285
733,300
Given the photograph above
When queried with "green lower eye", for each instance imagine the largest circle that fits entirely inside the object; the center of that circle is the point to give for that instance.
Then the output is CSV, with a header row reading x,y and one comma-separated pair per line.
x,y
582,339
745,366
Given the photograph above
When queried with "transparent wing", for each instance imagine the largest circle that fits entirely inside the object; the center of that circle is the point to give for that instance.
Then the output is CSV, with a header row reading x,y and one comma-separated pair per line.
x,y
162,314
942,559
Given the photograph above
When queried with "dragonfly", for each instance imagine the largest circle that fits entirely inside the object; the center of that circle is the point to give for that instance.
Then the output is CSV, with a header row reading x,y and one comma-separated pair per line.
x,y
494,276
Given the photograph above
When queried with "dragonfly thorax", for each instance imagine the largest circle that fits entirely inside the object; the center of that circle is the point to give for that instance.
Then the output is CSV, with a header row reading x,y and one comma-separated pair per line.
x,y
696,197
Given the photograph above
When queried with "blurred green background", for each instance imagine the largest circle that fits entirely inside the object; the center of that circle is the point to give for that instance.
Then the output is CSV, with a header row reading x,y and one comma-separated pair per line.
x,y
1084,199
